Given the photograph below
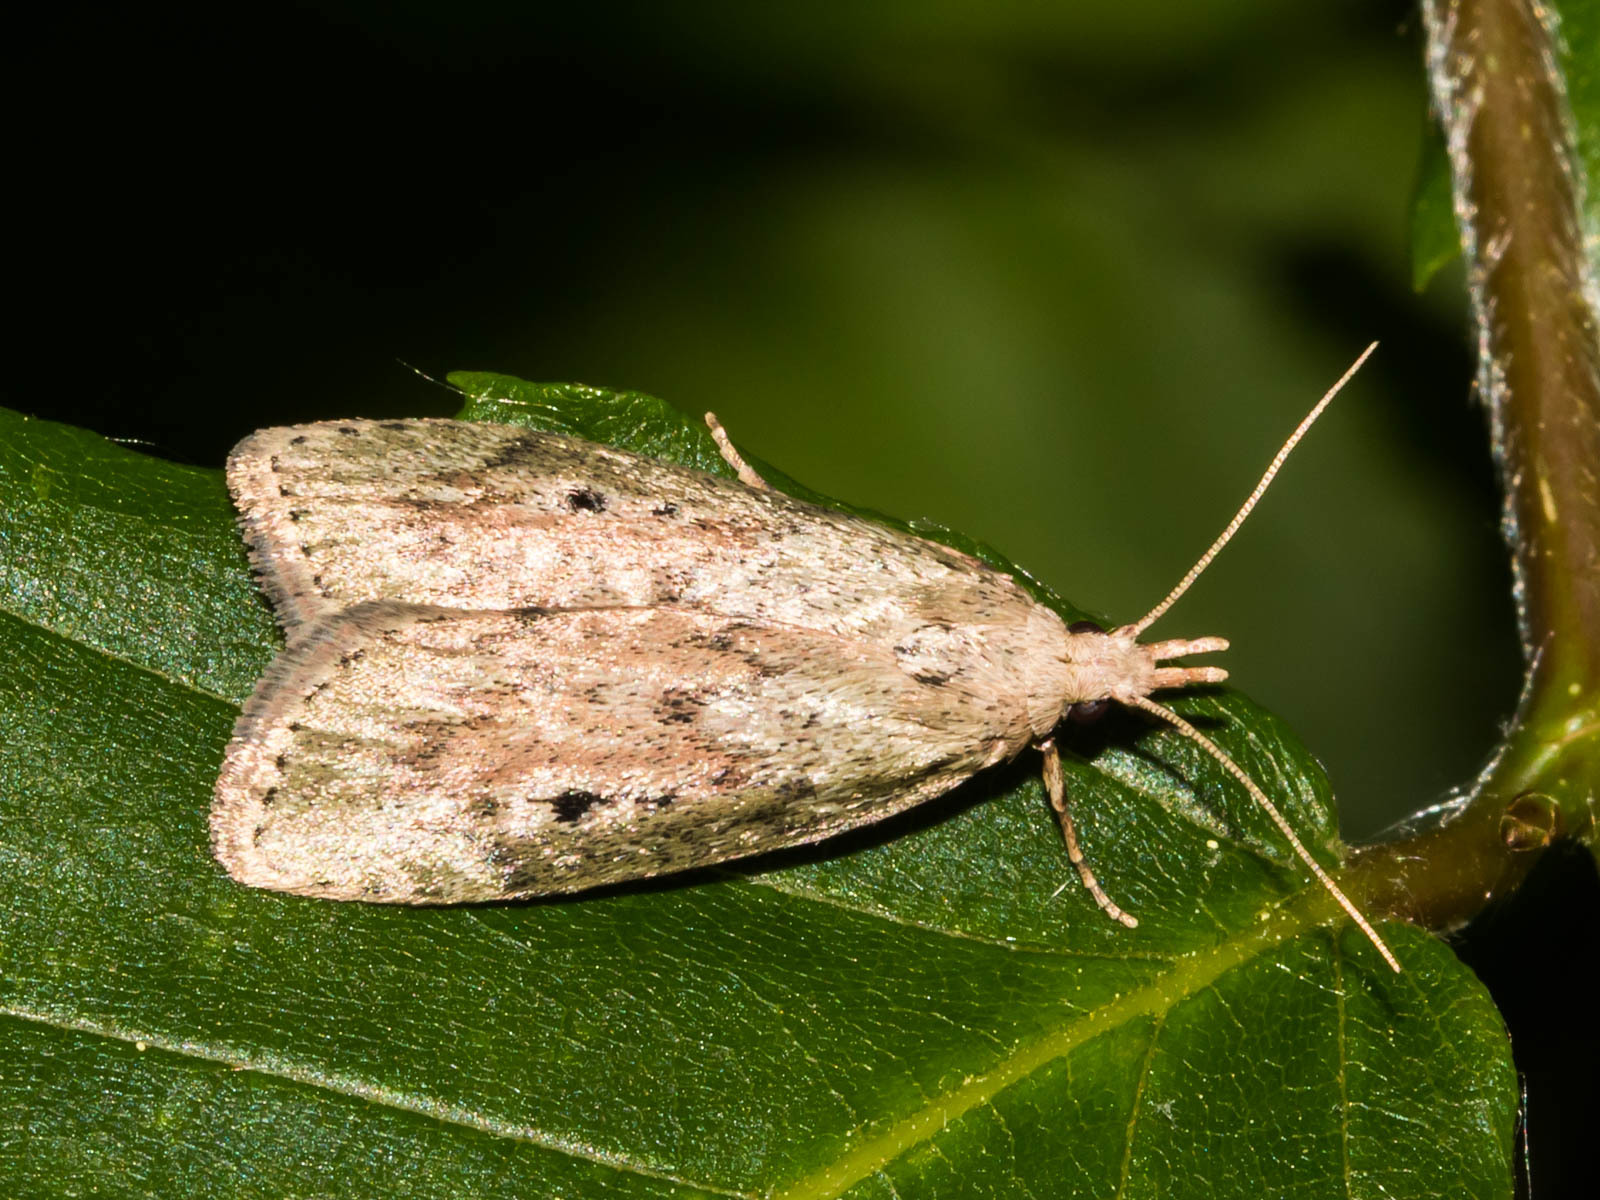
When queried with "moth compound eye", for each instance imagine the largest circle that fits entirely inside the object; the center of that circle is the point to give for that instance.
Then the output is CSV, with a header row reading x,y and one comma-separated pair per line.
x,y
1085,627
1086,712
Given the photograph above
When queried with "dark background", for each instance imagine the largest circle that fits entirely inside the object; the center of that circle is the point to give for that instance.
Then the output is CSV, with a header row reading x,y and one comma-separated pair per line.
x,y
1059,275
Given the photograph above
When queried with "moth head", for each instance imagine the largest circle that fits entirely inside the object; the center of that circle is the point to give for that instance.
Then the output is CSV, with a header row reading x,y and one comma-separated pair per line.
x,y
1114,665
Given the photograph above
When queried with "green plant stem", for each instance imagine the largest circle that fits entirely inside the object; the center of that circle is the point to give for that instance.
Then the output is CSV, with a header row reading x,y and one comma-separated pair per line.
x,y
1517,185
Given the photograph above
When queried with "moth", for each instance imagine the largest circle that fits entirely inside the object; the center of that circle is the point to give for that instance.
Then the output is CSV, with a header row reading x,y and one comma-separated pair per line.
x,y
520,664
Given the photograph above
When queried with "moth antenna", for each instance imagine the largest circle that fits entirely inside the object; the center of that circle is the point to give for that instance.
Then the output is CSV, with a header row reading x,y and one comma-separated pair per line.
x,y
746,473
1233,768
1195,571
445,384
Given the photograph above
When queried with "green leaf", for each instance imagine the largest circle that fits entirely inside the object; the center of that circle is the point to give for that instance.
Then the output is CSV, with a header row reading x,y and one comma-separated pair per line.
x,y
912,1011
1434,241
1580,69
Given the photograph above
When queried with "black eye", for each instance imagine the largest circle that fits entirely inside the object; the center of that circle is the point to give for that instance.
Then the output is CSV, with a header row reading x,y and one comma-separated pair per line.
x,y
1086,712
1085,627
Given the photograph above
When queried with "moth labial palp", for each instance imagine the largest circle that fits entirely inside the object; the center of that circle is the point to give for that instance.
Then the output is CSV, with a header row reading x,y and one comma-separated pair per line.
x,y
521,664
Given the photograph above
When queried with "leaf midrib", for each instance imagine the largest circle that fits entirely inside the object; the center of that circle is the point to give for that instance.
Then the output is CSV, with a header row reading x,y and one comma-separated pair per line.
x,y
1188,977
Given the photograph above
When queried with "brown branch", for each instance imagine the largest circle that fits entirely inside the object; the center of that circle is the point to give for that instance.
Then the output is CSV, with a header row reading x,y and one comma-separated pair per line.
x,y
1518,191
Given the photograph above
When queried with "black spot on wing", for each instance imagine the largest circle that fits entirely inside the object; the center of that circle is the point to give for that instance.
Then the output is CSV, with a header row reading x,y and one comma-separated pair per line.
x,y
679,706
726,639
570,806
923,655
586,500
796,790
531,451
401,621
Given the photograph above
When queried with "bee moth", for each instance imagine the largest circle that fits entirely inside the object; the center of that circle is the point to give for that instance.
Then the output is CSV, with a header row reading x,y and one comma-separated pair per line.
x,y
521,664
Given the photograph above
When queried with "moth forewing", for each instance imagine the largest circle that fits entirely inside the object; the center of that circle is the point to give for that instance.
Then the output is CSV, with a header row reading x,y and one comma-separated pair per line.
x,y
469,515
413,754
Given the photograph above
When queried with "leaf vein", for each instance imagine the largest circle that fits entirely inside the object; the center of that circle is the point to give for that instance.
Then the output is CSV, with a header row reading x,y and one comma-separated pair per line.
x,y
282,1067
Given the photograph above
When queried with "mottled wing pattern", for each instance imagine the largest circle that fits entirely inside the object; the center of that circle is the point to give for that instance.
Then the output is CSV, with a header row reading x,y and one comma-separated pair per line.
x,y
471,515
415,754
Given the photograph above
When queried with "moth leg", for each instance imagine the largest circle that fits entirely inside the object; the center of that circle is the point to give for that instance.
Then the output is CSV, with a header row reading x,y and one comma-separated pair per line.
x,y
1058,801
747,475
